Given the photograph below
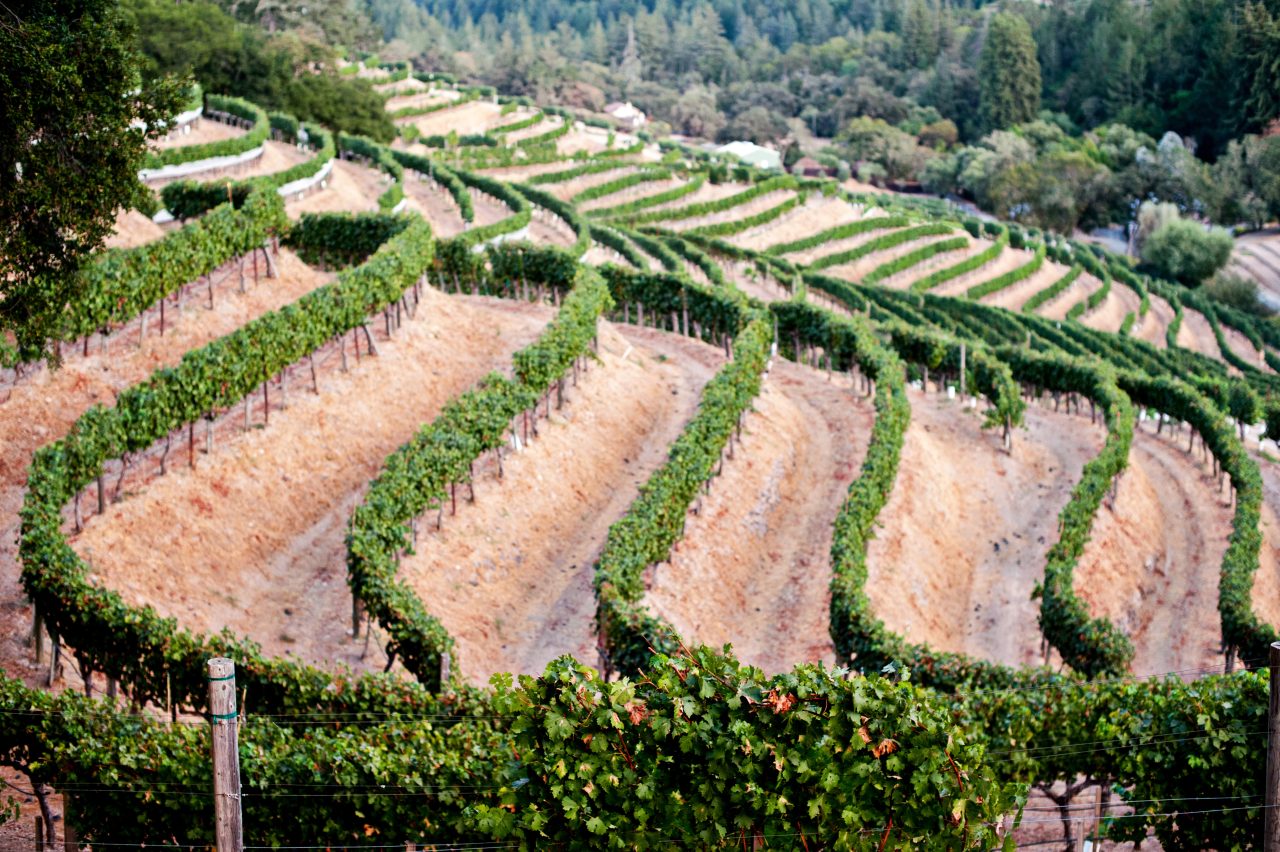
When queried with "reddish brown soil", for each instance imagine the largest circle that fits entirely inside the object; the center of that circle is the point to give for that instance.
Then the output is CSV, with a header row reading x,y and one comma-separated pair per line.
x,y
1152,563
1013,298
816,215
837,246
1266,583
202,131
470,117
1080,289
133,229
263,520
860,267
511,575
1196,334
568,189
1109,316
734,214
350,187
1153,326
42,407
435,204
631,193
754,567
963,538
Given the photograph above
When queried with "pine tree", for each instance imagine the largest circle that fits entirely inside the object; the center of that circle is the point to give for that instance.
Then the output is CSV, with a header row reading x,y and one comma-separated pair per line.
x,y
630,67
1009,73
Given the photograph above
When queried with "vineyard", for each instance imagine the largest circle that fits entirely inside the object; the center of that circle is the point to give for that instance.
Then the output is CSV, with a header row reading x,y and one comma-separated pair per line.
x,y
549,484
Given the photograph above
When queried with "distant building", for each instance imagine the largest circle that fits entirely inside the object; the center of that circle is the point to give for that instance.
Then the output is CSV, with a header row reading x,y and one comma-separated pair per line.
x,y
753,154
809,167
627,116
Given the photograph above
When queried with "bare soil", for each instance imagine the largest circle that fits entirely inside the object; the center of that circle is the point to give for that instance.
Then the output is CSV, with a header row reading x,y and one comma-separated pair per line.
x,y
836,246
436,206
1080,289
1153,326
1109,316
548,124
735,214
349,187
511,575
133,229
593,140
707,192
408,84
487,210
1008,260
631,193
467,118
754,567
199,132
417,99
1013,298
1196,334
262,521
963,538
1152,563
1257,256
860,267
40,408
816,215
568,189
1266,583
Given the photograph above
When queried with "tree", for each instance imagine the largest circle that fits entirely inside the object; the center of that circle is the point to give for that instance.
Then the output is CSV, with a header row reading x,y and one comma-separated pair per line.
x,y
72,139
630,69
1187,251
1008,73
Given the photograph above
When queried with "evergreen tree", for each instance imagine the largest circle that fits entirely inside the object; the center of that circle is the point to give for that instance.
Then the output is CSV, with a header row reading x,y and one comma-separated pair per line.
x,y
1009,73
630,67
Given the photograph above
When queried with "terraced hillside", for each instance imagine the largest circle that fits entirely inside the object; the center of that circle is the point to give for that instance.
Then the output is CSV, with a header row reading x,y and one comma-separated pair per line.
x,y
849,503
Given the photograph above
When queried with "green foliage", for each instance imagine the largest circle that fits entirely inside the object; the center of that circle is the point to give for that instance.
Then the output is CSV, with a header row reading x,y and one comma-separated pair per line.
x,y
258,133
964,267
737,226
342,239
629,208
706,208
1008,279
693,749
1008,73
600,190
135,645
840,232
899,264
121,283
74,114
881,243
187,199
1187,252
589,168
418,477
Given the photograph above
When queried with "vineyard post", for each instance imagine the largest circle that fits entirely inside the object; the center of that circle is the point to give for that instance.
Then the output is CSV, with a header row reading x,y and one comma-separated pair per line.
x,y
226,755
1271,830
962,371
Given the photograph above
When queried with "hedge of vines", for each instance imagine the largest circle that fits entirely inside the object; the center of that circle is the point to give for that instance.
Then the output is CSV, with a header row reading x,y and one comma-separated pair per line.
x,y
442,175
706,208
635,205
964,267
881,243
186,199
1008,279
840,232
655,521
151,655
1040,297
417,478
226,147
121,283
900,264
636,178
737,226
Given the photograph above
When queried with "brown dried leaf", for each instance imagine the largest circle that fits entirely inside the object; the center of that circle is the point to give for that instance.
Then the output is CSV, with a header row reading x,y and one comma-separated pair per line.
x,y
865,734
885,747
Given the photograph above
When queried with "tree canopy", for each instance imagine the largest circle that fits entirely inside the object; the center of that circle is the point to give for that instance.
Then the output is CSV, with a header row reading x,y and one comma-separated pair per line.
x,y
72,136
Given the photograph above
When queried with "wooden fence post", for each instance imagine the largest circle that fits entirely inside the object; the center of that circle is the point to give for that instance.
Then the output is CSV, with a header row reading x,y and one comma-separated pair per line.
x,y
224,722
1271,829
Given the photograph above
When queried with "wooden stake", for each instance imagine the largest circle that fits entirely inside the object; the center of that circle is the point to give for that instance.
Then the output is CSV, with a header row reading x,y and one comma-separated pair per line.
x,y
1271,828
224,721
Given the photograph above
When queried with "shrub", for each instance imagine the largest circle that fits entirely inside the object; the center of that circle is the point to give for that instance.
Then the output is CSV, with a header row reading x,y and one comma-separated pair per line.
x,y
1186,251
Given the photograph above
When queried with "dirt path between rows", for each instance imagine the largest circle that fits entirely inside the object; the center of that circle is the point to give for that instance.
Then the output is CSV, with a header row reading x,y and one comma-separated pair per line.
x,y
511,575
1152,563
43,407
963,538
202,131
815,216
754,567
1266,583
350,187
436,206
262,522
